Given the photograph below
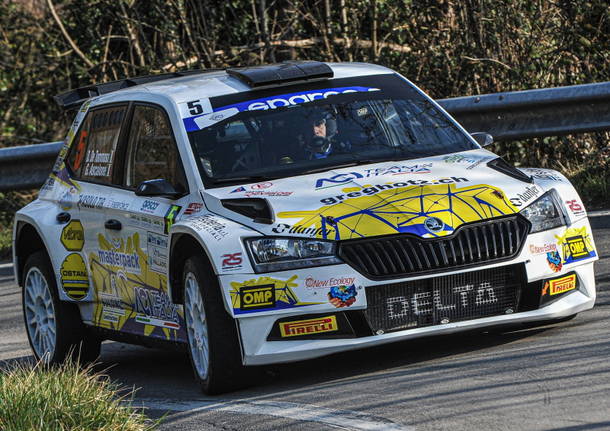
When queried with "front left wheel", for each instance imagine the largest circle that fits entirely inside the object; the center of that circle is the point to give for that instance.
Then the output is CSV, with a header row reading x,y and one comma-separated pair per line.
x,y
212,333
55,329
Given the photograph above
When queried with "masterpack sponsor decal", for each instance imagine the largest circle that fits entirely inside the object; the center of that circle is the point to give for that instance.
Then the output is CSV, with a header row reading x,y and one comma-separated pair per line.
x,y
131,287
430,209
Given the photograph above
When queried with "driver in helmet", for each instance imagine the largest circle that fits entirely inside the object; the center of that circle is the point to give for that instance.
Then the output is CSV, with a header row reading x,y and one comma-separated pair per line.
x,y
320,132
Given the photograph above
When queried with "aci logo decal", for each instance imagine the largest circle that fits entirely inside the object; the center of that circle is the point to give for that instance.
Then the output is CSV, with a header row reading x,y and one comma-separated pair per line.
x,y
73,236
309,326
74,277
575,207
253,297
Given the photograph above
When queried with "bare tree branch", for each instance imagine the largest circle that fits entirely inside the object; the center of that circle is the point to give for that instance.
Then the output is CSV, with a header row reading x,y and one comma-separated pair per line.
x,y
67,36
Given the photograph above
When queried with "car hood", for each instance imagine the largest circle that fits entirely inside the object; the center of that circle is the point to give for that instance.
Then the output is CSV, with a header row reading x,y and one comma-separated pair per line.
x,y
427,197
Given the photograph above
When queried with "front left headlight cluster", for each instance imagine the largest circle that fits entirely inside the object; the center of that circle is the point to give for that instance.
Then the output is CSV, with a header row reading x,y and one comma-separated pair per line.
x,y
276,253
545,213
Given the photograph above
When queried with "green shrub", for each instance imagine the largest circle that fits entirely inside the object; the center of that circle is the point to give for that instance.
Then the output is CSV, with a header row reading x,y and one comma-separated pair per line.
x,y
65,398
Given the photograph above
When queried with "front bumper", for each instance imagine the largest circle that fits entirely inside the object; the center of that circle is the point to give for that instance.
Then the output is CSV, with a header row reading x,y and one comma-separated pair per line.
x,y
259,351
300,293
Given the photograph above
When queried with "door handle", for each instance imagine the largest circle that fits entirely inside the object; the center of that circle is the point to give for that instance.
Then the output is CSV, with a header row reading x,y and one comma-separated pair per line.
x,y
113,224
63,217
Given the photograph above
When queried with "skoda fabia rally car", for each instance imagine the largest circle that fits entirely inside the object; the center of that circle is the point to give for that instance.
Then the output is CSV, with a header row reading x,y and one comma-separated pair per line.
x,y
278,213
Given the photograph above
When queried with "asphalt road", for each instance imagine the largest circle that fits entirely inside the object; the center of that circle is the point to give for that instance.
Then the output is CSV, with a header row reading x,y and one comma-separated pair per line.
x,y
551,378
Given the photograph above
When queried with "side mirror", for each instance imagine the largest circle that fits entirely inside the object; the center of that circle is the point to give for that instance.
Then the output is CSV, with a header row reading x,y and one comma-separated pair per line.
x,y
482,138
158,187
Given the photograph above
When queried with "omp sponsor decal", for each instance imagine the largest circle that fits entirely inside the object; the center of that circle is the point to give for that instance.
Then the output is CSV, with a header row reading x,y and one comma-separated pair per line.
x,y
194,122
341,179
129,262
170,217
342,296
309,326
383,210
253,297
561,285
74,277
73,236
314,283
542,248
283,294
530,193
576,245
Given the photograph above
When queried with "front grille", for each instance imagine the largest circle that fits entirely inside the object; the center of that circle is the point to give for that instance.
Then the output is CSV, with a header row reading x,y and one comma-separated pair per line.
x,y
440,300
477,243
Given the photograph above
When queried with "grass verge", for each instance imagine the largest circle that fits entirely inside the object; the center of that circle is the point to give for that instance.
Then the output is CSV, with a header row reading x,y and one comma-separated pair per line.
x,y
65,398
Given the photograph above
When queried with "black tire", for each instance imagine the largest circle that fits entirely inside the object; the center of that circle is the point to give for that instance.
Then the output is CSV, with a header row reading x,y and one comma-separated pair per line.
x,y
71,340
226,372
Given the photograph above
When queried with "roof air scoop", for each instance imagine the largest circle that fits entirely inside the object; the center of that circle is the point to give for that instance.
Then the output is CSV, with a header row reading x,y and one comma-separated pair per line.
x,y
259,76
257,209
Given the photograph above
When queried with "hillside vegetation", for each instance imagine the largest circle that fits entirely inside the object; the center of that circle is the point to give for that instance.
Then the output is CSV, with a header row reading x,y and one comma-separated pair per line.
x,y
448,47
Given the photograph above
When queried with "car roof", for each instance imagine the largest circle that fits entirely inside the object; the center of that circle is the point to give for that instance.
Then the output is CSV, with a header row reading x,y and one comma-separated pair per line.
x,y
218,83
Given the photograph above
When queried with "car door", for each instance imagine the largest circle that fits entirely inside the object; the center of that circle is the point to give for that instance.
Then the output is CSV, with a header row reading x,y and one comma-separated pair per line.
x,y
92,164
142,226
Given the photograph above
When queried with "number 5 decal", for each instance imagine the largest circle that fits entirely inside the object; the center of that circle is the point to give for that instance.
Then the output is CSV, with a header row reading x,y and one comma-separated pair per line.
x,y
195,107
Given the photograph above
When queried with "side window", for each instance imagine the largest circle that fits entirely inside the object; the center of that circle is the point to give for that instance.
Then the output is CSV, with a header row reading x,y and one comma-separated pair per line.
x,y
92,157
152,152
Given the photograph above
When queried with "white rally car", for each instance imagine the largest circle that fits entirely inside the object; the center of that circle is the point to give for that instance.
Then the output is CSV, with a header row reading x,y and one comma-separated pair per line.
x,y
284,212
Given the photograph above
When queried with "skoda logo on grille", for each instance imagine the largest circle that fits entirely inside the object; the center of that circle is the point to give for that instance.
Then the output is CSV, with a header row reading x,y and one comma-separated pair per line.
x,y
434,224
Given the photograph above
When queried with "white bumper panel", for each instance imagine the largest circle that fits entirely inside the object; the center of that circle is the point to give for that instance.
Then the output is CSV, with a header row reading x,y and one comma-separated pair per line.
x,y
258,351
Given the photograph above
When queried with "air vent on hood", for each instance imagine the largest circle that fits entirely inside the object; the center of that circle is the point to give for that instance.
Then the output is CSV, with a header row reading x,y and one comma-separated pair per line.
x,y
506,168
256,208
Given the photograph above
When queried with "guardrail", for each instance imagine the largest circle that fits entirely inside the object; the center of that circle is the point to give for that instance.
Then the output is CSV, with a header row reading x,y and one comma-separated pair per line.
x,y
507,116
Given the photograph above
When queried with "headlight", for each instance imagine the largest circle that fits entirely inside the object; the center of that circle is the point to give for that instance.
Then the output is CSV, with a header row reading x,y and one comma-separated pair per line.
x,y
545,213
276,254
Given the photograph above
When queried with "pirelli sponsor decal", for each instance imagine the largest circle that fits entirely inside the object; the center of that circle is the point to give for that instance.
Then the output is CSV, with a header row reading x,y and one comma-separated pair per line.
x,y
309,326
562,285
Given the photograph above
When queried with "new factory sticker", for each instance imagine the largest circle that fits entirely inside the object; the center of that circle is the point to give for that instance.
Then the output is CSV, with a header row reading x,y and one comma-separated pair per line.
x,y
74,277
73,236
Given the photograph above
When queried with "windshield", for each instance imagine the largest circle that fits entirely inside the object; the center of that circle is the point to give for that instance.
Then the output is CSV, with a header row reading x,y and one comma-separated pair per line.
x,y
287,133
